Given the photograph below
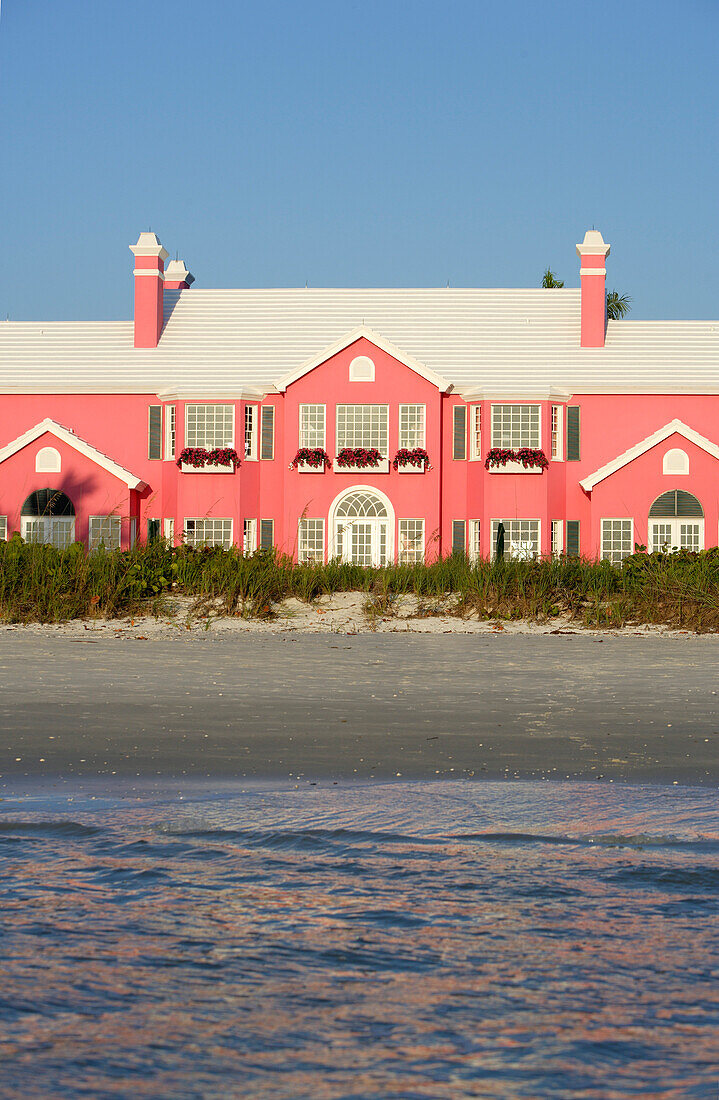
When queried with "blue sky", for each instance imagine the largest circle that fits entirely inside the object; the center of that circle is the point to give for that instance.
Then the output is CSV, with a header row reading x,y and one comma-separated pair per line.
x,y
357,144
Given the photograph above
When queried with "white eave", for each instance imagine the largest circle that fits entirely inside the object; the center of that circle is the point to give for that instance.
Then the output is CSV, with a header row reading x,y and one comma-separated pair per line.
x,y
674,427
51,427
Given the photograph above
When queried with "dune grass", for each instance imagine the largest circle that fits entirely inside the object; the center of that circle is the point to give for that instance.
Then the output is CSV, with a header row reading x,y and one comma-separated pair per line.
x,y
42,584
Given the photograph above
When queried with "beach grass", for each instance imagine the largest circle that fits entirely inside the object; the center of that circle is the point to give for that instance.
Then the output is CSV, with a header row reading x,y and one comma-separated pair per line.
x,y
41,584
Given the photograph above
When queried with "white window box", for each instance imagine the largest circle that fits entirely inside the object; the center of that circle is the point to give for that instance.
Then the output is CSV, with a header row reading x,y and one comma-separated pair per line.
x,y
408,469
515,468
304,468
187,469
382,468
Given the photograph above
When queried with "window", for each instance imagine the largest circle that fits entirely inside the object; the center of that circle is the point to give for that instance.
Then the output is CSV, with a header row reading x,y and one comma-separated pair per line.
x,y
573,417
572,537
168,530
249,536
521,538
154,432
267,432
251,431
411,541
459,536
362,426
459,432
675,461
616,539
362,369
208,532
411,426
557,537
209,426
104,531
311,540
557,433
153,530
515,426
475,546
312,426
267,534
47,461
170,431
3,528
475,431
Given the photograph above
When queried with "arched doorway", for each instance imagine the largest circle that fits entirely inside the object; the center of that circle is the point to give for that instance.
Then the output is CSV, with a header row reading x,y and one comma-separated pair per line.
x,y
676,522
362,524
48,516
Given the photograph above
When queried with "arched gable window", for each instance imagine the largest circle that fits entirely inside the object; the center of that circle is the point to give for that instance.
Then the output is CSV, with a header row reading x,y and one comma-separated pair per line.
x,y
675,461
47,461
676,522
676,503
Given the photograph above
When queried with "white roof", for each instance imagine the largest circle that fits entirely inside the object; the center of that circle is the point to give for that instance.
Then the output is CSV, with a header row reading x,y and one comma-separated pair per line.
x,y
230,341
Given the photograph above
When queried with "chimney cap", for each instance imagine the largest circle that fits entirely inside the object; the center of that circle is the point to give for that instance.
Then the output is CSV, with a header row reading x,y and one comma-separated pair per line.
x,y
593,244
148,244
176,272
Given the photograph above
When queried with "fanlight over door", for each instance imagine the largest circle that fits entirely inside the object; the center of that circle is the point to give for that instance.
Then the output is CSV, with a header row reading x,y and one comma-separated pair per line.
x,y
48,516
361,529
676,522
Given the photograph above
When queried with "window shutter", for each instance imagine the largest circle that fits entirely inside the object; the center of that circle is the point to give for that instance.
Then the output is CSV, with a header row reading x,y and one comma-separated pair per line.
x,y
573,433
154,432
459,537
459,432
153,530
267,534
267,445
573,538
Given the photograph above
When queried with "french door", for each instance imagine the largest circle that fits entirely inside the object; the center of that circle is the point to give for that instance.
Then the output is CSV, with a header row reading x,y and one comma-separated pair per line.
x,y
676,534
57,531
362,541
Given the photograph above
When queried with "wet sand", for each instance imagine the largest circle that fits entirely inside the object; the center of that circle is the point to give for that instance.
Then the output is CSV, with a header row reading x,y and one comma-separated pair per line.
x,y
306,707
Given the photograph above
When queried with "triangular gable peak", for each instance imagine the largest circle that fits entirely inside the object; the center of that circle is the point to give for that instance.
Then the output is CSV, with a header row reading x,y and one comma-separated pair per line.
x,y
379,342
51,427
674,427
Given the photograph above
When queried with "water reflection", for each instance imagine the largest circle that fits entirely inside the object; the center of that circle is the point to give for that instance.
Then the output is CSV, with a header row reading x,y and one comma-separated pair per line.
x,y
443,940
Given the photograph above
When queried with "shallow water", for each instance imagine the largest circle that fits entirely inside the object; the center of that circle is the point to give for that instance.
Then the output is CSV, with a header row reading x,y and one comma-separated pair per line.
x,y
390,940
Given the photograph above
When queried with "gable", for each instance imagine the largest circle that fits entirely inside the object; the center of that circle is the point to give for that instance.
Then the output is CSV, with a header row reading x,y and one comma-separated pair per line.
x,y
674,427
51,427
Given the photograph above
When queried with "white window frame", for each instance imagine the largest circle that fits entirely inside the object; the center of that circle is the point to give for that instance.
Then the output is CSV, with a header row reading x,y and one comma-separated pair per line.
x,y
168,530
404,429
170,432
94,540
209,405
384,411
48,461
3,528
249,439
362,369
407,555
675,522
475,433
557,537
475,540
249,536
311,549
306,429
556,432
675,462
226,540
498,436
508,538
610,554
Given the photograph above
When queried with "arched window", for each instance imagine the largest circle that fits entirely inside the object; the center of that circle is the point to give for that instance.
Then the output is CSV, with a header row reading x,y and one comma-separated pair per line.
x,y
676,522
48,515
362,369
47,461
675,461
676,503
362,525
361,503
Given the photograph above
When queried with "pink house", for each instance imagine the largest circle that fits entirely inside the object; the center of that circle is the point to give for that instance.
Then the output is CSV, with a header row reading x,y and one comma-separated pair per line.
x,y
615,421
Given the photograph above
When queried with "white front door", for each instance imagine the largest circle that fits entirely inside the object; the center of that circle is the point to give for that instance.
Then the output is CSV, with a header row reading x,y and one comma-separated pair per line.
x,y
57,531
362,541
676,534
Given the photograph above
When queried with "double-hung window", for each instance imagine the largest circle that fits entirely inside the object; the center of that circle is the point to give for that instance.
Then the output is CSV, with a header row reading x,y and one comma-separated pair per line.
x,y
521,538
411,426
411,541
209,532
557,532
249,536
516,426
251,431
475,545
363,426
311,540
312,426
557,426
209,426
475,431
170,431
616,539
3,528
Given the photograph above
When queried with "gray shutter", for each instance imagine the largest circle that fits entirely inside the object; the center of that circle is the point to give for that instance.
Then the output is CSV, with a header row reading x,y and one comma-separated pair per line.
x,y
459,536
267,432
573,433
459,432
154,432
153,530
573,538
267,534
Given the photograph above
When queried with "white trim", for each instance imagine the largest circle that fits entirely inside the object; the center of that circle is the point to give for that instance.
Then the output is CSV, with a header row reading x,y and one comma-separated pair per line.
x,y
514,468
185,468
331,521
615,519
169,446
309,405
559,457
558,548
198,397
519,397
503,404
475,409
359,364
231,445
168,530
51,461
411,405
66,521
382,467
379,342
249,535
252,456
150,271
673,427
3,528
208,519
673,452
675,522
79,445
592,271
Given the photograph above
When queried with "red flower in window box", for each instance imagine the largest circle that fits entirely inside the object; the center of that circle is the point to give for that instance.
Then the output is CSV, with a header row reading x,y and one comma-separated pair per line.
x,y
359,456
417,456
315,457
198,457
526,456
